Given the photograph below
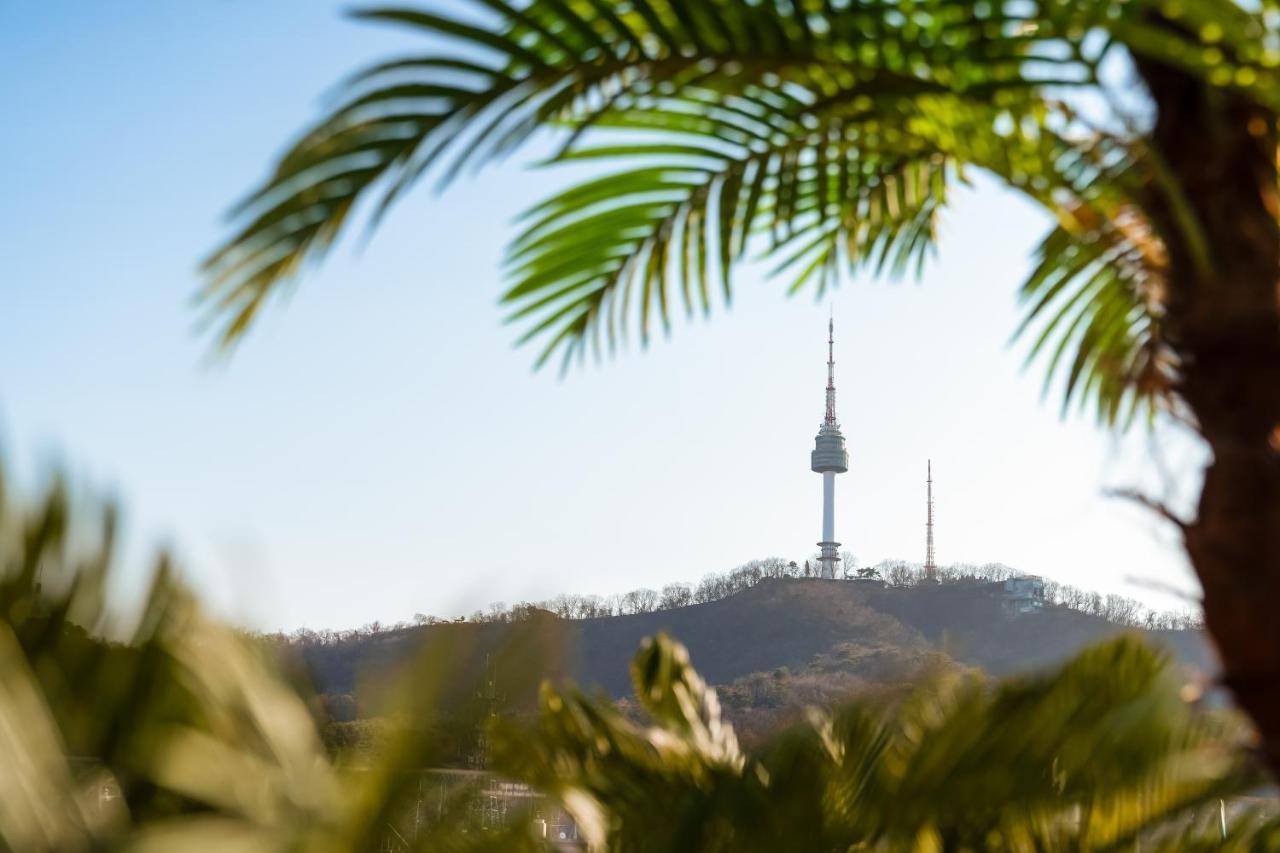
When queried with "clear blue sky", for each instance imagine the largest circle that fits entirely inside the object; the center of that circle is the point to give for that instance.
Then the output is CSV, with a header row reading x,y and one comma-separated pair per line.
x,y
379,448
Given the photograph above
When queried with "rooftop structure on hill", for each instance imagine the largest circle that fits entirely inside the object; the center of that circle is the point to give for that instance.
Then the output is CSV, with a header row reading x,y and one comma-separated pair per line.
x,y
829,458
1023,595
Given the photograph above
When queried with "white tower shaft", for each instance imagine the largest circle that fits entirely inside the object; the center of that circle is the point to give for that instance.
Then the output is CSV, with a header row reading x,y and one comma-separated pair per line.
x,y
828,506
828,544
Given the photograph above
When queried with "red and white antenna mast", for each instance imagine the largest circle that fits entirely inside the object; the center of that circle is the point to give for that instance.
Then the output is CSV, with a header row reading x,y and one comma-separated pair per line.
x,y
930,566
830,419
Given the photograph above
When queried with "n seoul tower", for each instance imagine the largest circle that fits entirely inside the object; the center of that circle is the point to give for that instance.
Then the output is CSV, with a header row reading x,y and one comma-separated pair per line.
x,y
828,459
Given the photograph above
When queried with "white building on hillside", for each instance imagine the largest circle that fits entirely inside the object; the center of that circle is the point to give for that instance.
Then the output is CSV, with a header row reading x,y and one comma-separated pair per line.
x,y
1023,595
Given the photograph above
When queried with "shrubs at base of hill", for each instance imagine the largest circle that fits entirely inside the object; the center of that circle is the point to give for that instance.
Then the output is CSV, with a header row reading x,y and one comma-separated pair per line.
x,y
455,738
762,703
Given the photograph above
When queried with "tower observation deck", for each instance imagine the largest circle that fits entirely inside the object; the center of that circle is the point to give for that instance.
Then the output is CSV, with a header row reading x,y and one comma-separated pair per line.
x,y
828,459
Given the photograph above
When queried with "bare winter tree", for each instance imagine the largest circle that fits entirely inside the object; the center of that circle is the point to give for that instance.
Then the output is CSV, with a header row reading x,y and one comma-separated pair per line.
x,y
675,595
640,601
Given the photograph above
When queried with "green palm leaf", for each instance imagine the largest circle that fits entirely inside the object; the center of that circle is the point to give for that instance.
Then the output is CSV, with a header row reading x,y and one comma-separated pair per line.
x,y
171,731
1096,294
1098,755
821,135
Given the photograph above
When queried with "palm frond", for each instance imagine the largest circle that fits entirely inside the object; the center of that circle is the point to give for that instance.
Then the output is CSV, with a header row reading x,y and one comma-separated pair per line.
x,y
1099,754
175,732
510,69
822,134
1096,296
619,251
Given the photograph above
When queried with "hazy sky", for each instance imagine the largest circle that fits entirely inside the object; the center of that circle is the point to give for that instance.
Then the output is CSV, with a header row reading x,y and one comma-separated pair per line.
x,y
378,448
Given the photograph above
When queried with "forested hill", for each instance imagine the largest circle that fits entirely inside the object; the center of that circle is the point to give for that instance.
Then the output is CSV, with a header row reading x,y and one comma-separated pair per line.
x,y
780,642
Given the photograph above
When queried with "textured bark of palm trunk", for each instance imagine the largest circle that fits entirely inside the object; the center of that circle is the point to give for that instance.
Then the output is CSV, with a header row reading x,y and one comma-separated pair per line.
x,y
1224,321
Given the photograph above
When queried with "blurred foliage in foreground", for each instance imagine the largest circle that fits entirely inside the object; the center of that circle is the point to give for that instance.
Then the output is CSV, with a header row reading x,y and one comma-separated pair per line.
x,y
203,745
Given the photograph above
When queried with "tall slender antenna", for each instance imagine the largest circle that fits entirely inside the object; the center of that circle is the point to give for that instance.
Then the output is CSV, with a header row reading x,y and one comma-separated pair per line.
x,y
930,566
830,419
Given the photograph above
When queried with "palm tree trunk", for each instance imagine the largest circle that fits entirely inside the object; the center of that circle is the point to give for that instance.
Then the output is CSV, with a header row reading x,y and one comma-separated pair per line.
x,y
1224,321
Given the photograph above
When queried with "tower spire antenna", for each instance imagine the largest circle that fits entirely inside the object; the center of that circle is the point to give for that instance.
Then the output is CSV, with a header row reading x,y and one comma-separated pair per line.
x,y
930,564
830,419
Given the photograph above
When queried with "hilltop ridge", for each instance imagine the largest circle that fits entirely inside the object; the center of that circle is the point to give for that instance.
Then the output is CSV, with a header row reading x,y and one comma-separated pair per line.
x,y
777,644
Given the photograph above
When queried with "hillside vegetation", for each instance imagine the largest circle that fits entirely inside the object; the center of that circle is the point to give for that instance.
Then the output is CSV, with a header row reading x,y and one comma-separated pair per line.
x,y
771,647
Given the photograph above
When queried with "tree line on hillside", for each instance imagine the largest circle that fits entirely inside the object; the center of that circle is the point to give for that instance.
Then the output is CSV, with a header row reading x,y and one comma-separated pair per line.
x,y
1117,609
